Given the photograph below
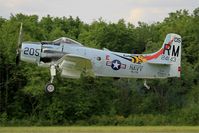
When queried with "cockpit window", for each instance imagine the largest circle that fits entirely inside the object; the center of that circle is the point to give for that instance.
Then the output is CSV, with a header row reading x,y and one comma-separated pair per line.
x,y
65,40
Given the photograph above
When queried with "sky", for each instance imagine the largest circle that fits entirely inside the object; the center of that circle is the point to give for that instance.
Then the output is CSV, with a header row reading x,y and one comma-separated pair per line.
x,y
132,11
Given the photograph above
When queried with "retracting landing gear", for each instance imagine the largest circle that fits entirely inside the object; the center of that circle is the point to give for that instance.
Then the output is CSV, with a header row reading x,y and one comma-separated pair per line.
x,y
50,88
145,85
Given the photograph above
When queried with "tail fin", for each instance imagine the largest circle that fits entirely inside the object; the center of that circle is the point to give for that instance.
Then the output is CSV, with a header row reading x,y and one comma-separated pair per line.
x,y
169,54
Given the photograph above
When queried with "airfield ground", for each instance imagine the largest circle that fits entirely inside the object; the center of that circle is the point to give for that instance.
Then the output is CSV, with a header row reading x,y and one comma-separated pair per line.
x,y
102,129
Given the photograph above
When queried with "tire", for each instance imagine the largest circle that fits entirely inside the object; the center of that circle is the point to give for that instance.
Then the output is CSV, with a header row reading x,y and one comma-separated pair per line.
x,y
49,88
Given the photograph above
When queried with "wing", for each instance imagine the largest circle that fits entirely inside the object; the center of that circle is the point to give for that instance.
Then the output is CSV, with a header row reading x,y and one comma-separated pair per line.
x,y
72,66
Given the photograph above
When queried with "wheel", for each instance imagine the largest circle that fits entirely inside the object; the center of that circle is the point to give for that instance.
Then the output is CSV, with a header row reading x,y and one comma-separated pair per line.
x,y
49,88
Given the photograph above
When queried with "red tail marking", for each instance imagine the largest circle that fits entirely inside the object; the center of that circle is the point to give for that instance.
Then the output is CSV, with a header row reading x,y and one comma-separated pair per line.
x,y
160,52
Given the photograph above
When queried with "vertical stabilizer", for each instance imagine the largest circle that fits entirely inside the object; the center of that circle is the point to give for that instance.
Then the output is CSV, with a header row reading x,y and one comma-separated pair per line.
x,y
169,54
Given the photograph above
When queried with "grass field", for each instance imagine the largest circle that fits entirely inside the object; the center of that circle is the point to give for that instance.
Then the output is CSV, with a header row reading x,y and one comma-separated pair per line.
x,y
102,129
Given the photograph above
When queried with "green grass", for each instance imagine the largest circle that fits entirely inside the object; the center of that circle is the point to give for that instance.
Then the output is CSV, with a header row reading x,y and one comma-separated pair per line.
x,y
102,129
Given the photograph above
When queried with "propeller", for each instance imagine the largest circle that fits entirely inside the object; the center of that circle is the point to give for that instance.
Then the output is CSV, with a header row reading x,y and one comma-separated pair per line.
x,y
19,45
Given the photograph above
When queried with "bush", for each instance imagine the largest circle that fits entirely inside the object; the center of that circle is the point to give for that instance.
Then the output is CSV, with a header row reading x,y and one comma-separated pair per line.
x,y
106,120
3,118
190,115
148,119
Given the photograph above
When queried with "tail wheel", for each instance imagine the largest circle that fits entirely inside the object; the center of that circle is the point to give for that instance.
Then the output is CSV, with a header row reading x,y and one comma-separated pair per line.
x,y
49,88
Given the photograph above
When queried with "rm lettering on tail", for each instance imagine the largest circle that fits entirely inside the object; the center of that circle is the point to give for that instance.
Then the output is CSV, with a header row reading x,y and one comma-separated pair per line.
x,y
172,50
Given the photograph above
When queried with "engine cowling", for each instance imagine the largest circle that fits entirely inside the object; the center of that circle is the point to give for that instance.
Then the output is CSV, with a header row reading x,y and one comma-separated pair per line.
x,y
30,52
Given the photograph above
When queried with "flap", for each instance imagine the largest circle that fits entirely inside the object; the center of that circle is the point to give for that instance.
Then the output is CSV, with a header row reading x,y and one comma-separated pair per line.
x,y
75,63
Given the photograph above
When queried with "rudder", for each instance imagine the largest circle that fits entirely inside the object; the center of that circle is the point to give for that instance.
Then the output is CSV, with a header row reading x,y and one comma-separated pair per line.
x,y
169,54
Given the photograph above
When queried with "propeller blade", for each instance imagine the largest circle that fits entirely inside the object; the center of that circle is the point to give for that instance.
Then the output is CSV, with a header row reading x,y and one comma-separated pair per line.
x,y
20,36
19,45
17,59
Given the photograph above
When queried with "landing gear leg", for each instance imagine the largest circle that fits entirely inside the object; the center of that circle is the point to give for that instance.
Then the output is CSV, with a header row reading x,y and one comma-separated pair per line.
x,y
50,88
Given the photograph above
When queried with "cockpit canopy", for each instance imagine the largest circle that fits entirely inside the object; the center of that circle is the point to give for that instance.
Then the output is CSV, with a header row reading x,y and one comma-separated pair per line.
x,y
63,40
66,41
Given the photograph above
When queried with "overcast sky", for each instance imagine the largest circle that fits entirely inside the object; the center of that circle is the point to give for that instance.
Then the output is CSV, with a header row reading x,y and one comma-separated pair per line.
x,y
88,10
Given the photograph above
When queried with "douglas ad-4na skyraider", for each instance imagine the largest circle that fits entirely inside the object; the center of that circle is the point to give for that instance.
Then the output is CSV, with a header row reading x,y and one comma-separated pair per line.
x,y
71,58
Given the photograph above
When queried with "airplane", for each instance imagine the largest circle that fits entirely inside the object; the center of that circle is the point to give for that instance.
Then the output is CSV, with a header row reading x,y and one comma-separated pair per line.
x,y
71,59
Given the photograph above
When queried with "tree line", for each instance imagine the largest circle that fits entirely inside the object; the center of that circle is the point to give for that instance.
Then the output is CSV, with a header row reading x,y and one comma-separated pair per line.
x,y
99,101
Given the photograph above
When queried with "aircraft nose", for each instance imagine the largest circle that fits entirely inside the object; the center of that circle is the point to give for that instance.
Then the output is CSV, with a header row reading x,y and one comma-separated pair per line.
x,y
30,52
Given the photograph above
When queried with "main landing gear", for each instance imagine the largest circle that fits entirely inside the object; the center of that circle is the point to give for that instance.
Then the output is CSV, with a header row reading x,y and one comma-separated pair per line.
x,y
50,88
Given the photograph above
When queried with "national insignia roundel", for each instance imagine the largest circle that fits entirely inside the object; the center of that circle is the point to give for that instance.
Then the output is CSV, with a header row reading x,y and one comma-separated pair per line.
x,y
116,65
